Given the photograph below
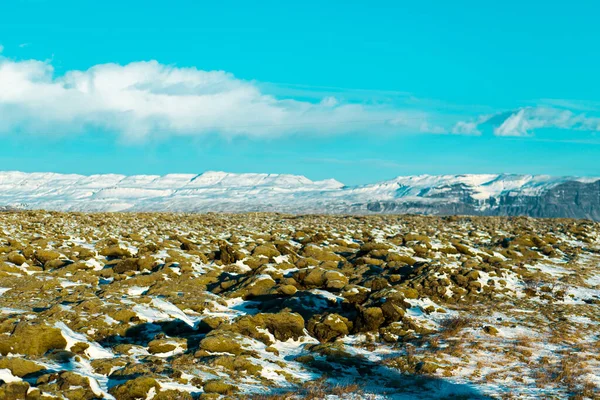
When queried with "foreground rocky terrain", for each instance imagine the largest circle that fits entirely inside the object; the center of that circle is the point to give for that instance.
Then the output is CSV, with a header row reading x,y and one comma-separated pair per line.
x,y
272,306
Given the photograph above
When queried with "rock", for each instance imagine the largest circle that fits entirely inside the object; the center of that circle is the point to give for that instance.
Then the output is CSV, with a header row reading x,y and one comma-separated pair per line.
x,y
128,264
256,285
173,394
14,391
400,257
135,389
461,248
220,341
4,267
473,275
371,246
393,310
409,293
288,290
490,330
368,261
115,252
219,387
160,346
330,327
227,254
268,251
70,385
19,366
370,319
378,284
123,315
319,253
318,277
242,364
314,278
16,258
43,256
55,264
32,339
283,326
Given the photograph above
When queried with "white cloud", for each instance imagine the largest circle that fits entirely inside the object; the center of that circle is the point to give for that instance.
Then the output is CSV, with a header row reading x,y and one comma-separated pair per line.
x,y
525,121
466,128
148,98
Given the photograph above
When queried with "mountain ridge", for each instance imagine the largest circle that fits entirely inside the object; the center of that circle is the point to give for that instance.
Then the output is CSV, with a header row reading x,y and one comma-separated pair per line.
x,y
473,194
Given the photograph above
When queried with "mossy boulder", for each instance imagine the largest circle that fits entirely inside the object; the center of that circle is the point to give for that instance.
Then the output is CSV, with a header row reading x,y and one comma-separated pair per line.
x,y
242,364
20,366
268,251
32,339
128,264
161,346
135,389
330,327
394,309
43,256
370,319
256,285
320,254
409,293
400,258
288,290
320,277
219,387
69,384
221,341
173,394
14,391
115,252
463,249
16,258
283,326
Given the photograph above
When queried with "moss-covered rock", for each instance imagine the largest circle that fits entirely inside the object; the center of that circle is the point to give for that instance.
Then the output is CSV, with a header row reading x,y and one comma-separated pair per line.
x,y
43,256
330,327
320,254
16,258
221,341
32,339
14,391
219,387
135,389
20,366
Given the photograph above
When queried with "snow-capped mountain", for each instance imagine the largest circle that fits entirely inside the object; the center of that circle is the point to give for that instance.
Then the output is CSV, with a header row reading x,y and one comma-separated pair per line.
x,y
486,194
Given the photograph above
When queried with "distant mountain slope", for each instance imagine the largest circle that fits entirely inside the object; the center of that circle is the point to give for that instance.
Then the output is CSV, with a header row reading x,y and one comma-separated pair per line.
x,y
534,195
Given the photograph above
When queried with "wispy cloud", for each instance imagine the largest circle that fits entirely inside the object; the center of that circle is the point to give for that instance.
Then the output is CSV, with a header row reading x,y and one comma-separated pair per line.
x,y
527,120
148,98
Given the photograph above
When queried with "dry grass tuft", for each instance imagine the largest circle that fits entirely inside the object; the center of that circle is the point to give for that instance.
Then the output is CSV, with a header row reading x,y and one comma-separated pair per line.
x,y
451,326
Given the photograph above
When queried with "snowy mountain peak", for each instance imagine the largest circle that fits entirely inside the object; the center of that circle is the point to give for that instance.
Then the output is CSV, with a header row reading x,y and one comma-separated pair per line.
x,y
487,194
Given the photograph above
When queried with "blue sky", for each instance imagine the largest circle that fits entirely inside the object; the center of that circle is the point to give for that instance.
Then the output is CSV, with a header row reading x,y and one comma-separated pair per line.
x,y
359,91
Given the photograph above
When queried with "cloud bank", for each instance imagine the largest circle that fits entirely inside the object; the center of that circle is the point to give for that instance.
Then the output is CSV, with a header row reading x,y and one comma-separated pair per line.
x,y
144,99
148,98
